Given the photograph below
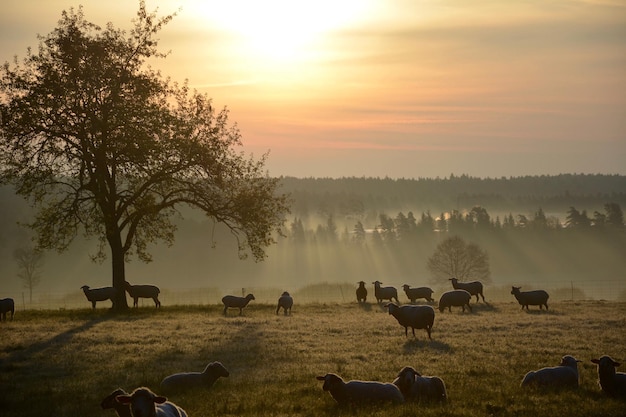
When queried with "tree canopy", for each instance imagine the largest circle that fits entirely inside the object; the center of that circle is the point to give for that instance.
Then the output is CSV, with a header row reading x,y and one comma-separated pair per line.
x,y
100,142
455,258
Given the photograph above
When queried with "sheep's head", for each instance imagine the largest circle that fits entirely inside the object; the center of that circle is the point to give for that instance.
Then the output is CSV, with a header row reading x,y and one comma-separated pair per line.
x,y
110,400
142,402
330,381
217,369
570,361
515,290
250,297
606,363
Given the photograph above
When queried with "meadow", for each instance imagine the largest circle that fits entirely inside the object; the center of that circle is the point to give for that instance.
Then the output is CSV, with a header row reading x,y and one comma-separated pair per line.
x,y
63,362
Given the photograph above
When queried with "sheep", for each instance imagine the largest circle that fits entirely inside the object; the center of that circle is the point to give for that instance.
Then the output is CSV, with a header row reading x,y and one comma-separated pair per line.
x,y
613,383
286,302
384,293
359,392
145,403
419,292
415,317
98,294
533,298
563,376
187,380
415,387
236,302
143,291
361,293
110,402
456,298
473,287
7,305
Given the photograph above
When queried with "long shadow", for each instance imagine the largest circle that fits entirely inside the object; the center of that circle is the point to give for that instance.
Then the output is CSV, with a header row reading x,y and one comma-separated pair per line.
x,y
417,345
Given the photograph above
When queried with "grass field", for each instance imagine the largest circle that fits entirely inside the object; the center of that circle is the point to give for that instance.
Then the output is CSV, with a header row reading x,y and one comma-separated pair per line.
x,y
62,363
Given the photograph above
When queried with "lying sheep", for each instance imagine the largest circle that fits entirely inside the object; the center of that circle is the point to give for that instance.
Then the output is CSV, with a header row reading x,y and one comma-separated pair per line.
x,y
415,387
360,392
110,402
419,292
232,301
613,383
143,291
286,302
473,287
384,293
361,293
455,298
563,376
7,305
98,294
186,380
145,403
415,317
533,298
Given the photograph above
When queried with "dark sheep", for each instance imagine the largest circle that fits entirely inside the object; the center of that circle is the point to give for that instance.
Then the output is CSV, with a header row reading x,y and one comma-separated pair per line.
x,y
98,294
384,293
419,292
415,317
232,301
143,291
455,298
612,383
563,376
7,305
473,287
533,298
360,392
187,380
285,302
418,388
361,293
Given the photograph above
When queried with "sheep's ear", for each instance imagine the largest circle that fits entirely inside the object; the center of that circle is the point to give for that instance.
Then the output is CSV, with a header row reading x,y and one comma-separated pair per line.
x,y
596,361
616,364
320,378
159,399
123,399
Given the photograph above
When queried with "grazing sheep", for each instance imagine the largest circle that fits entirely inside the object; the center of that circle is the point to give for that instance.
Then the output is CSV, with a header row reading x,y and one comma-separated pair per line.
x,y
187,380
359,392
419,292
286,302
110,402
455,298
7,305
533,298
143,291
415,317
415,387
145,403
562,376
384,293
98,294
236,302
361,293
473,287
611,382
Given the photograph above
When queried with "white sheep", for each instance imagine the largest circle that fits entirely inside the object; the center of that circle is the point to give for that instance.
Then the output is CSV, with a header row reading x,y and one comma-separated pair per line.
x,y
384,293
562,376
415,387
110,402
232,301
415,317
143,291
361,293
455,298
419,292
360,392
533,298
286,302
145,403
473,287
613,383
98,294
7,305
186,380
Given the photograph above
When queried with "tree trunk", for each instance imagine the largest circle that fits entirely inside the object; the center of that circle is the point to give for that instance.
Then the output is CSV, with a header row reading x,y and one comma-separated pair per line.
x,y
119,275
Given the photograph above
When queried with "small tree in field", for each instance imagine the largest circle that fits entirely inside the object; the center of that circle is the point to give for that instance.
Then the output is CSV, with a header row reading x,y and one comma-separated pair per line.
x,y
101,143
29,261
456,258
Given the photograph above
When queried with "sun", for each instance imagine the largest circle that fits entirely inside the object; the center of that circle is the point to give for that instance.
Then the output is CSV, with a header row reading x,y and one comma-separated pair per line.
x,y
279,31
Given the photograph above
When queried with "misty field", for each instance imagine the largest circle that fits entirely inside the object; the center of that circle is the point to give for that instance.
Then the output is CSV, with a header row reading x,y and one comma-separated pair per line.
x,y
64,362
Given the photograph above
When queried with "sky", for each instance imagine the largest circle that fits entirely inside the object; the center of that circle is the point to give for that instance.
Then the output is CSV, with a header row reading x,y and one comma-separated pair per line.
x,y
392,88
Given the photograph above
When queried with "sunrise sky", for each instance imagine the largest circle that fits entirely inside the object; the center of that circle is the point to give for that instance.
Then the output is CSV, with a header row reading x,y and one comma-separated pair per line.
x,y
393,88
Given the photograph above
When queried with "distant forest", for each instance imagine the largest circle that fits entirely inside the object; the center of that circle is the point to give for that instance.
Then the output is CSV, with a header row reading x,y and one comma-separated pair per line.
x,y
535,229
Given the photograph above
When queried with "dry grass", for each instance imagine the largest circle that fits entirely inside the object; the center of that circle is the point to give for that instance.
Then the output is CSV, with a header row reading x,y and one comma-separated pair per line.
x,y
63,363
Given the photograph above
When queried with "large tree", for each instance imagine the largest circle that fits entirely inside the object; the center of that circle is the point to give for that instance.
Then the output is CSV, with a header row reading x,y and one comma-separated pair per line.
x,y
456,258
100,142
